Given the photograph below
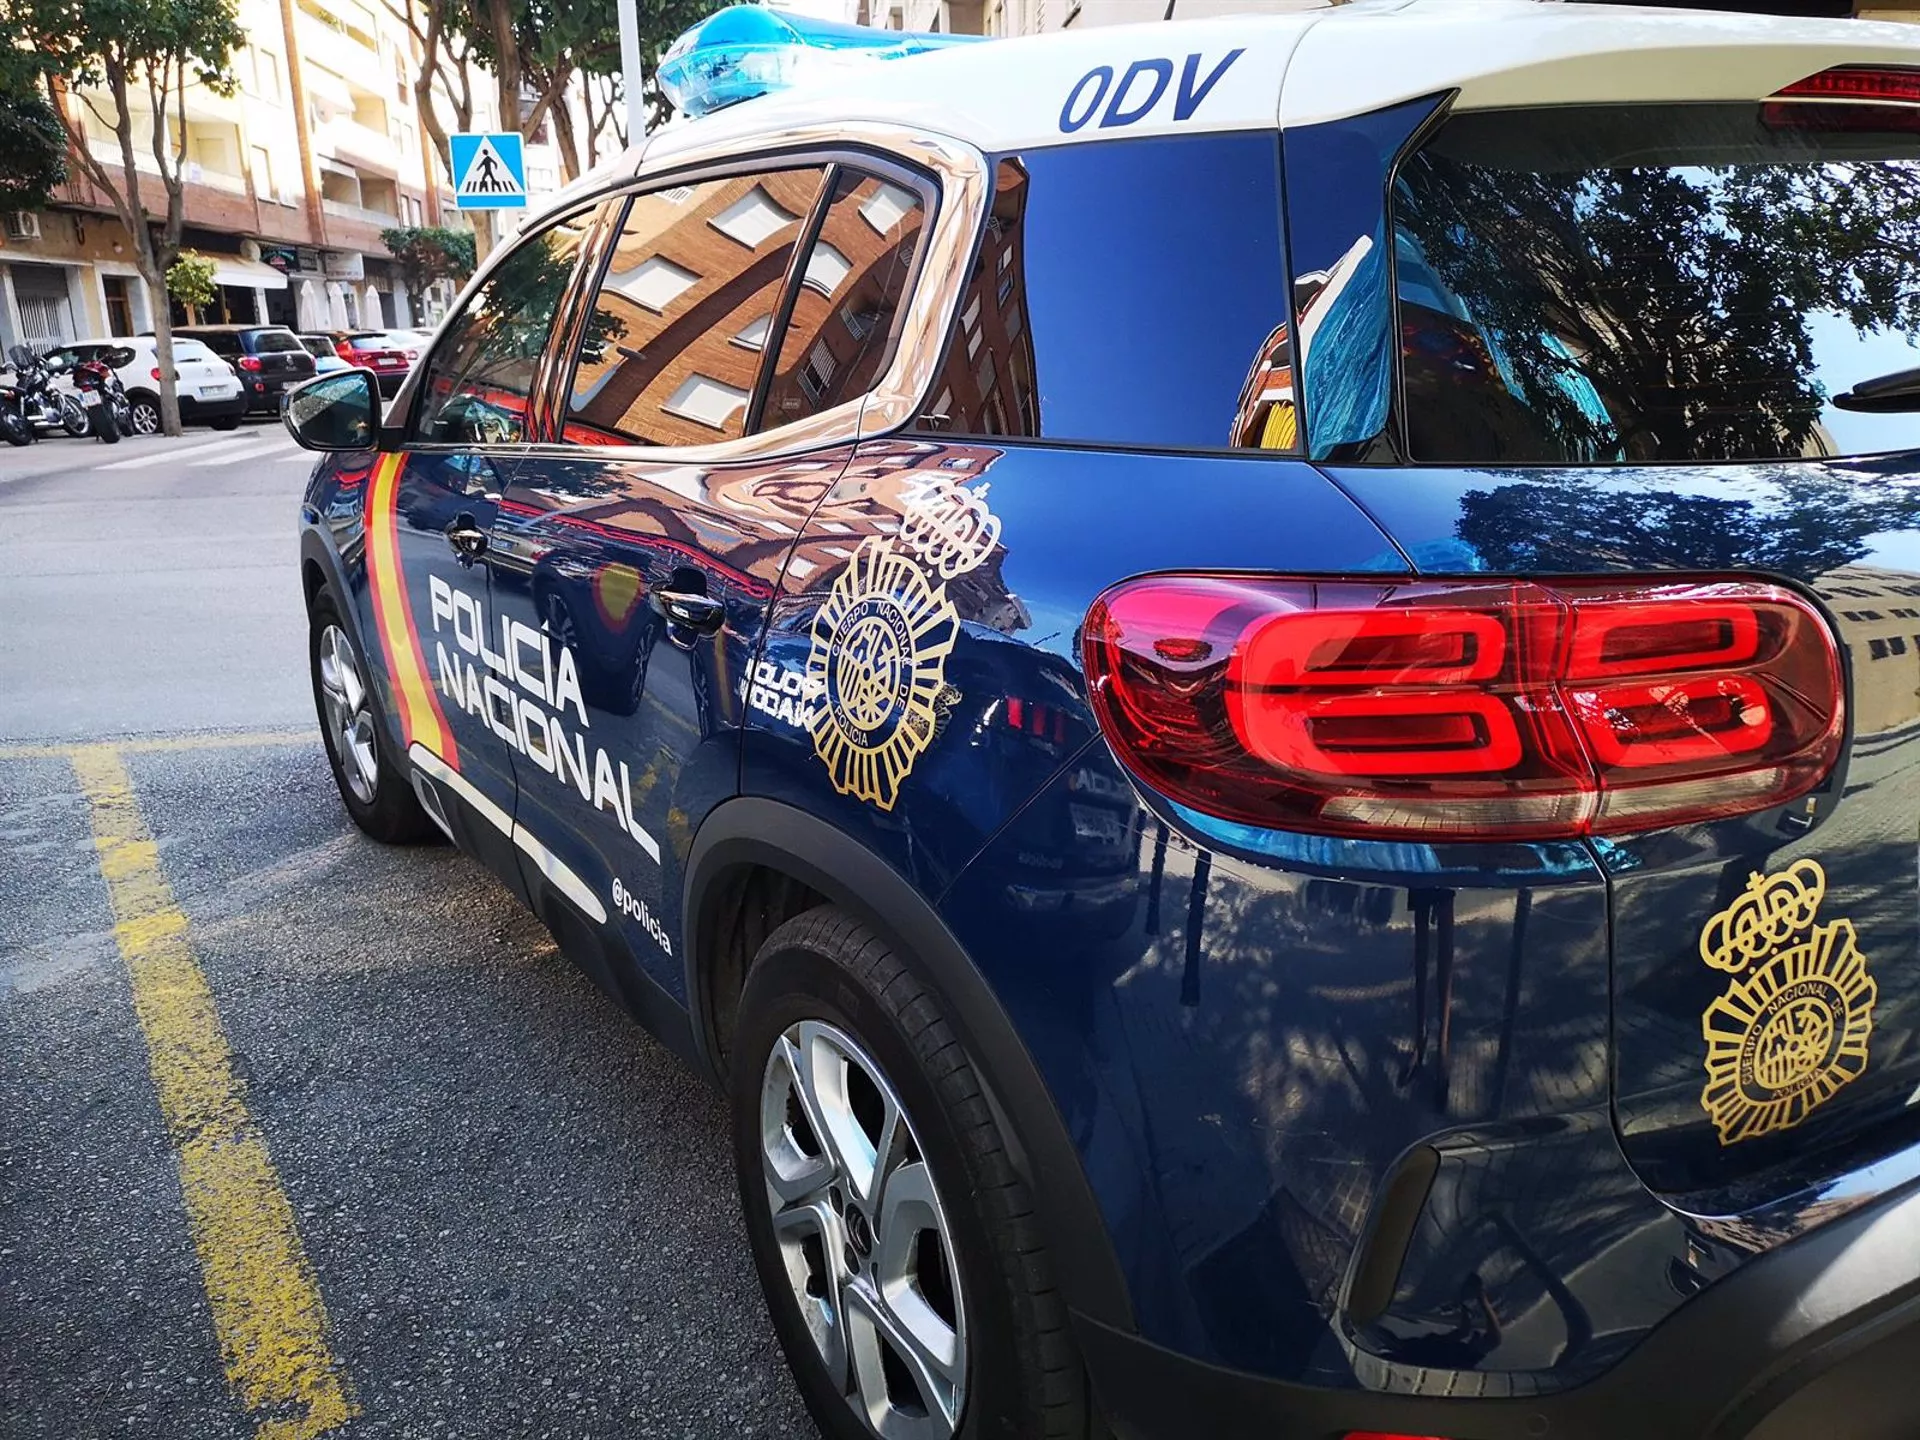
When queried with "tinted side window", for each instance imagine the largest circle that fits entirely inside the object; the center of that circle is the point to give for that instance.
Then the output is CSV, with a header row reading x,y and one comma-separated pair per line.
x,y
265,342
477,383
673,345
1132,292
841,334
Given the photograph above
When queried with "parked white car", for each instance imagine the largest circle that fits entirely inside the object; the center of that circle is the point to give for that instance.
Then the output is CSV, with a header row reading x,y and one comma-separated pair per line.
x,y
210,393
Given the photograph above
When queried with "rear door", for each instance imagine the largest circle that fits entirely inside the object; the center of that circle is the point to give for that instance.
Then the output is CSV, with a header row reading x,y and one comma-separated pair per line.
x,y
1630,341
446,658
646,548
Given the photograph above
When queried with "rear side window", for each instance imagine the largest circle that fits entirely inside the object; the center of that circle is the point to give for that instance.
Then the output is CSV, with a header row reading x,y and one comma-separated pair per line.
x,y
482,371
1630,284
685,310
841,333
267,341
1128,292
222,344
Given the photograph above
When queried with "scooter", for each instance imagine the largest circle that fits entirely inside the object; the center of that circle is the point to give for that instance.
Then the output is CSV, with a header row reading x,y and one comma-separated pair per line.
x,y
45,407
101,393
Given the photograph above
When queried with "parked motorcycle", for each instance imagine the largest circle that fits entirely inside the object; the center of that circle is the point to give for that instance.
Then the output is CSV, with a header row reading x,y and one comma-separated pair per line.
x,y
45,407
15,428
98,383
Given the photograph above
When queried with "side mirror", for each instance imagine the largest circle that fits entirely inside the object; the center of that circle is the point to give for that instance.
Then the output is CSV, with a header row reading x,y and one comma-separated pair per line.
x,y
340,411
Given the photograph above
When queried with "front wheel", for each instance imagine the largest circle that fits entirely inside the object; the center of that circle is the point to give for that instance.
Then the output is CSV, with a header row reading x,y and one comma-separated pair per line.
x,y
373,785
73,416
901,1259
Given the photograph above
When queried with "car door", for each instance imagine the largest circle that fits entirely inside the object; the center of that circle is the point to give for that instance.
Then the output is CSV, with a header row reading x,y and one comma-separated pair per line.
x,y
644,549
429,506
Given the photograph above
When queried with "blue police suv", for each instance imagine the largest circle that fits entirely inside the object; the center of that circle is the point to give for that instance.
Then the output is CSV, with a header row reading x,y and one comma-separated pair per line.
x,y
1254,685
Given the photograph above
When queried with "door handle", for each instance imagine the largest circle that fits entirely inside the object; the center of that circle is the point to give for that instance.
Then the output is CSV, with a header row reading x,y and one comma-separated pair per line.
x,y
689,613
468,540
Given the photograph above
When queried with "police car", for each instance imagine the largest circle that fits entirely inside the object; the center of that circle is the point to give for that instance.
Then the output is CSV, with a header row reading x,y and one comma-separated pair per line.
x,y
1254,685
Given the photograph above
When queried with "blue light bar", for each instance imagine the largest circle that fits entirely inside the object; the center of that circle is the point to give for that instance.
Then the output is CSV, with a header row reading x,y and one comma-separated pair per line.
x,y
748,50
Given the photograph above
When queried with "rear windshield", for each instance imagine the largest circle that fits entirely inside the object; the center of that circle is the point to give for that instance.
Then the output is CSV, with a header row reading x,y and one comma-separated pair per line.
x,y
1654,283
264,341
187,349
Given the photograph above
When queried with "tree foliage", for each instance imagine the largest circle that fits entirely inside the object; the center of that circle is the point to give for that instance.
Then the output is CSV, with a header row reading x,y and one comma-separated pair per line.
x,y
190,280
426,253
33,148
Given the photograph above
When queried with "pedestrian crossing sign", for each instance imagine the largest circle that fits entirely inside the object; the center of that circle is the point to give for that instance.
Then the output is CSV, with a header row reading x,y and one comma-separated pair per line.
x,y
489,171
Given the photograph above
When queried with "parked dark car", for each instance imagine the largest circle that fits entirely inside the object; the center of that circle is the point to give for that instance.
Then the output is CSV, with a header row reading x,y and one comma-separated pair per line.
x,y
267,358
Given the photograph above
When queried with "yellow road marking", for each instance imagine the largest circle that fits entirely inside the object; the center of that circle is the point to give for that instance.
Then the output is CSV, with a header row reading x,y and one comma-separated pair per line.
x,y
232,740
267,1312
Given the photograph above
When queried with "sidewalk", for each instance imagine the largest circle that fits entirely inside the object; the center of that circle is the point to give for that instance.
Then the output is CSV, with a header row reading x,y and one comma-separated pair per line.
x,y
64,454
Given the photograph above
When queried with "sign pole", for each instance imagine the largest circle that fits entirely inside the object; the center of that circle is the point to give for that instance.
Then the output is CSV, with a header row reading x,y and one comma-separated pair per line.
x,y
630,69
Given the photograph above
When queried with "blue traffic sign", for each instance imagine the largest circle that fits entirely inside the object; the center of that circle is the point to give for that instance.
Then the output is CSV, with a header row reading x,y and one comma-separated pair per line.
x,y
489,171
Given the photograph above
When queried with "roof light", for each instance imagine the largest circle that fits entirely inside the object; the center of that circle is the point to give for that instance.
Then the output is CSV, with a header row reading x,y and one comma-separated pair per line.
x,y
744,51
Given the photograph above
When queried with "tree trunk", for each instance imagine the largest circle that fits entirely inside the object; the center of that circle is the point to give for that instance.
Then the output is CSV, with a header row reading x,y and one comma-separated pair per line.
x,y
563,136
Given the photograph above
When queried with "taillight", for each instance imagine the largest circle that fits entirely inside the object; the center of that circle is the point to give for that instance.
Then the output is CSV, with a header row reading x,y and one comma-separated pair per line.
x,y
156,372
249,362
1848,97
1462,709
1031,718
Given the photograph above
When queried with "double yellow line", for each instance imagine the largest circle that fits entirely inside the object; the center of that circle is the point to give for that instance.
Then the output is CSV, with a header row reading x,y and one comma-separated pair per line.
x,y
267,1311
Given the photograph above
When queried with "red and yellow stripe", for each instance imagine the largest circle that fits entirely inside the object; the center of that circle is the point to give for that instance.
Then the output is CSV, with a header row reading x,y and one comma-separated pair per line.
x,y
421,719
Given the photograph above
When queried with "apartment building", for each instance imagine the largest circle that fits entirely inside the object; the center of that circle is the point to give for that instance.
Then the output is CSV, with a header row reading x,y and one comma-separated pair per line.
x,y
289,183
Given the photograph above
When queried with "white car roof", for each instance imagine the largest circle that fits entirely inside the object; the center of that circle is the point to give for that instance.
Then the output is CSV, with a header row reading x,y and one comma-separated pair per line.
x,y
1299,68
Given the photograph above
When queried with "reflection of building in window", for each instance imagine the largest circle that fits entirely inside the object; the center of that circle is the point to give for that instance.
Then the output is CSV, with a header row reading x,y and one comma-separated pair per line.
x,y
840,336
1266,418
986,384
689,296
1882,642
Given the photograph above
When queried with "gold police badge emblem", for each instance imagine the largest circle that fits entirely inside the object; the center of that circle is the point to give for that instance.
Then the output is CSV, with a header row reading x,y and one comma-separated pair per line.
x,y
878,666
1793,1025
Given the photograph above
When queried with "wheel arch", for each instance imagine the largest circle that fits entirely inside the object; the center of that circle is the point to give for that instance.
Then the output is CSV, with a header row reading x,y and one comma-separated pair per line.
x,y
752,840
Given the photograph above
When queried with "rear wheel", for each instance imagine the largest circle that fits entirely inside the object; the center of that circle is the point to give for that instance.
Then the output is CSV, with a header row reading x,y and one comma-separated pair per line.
x,y
898,1250
16,427
373,785
143,413
105,425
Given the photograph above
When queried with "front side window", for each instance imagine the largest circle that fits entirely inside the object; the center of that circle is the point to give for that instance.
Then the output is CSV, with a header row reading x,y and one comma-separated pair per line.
x,y
482,372
1128,292
1634,284
673,344
841,335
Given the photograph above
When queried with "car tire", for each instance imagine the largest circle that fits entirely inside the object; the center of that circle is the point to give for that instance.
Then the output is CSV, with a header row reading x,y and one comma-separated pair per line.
x,y
226,422
373,784
143,410
835,1032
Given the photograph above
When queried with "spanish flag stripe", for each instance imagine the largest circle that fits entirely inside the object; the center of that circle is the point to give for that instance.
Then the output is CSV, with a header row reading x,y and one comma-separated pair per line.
x,y
420,716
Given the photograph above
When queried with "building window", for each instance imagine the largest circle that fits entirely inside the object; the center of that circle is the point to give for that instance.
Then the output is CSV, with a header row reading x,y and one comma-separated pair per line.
x,y
655,283
817,374
1877,649
119,304
754,336
826,268
752,219
887,207
706,401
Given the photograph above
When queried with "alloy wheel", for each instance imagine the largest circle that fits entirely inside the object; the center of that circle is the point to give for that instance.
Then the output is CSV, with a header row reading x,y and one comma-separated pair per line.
x,y
863,1235
349,715
145,418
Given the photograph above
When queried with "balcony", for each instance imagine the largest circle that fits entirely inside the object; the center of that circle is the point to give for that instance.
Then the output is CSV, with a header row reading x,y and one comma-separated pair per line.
x,y
360,146
361,213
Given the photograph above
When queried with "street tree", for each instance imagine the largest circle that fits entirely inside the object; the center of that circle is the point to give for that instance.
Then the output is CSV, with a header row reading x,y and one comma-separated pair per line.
x,y
33,148
426,254
190,280
126,65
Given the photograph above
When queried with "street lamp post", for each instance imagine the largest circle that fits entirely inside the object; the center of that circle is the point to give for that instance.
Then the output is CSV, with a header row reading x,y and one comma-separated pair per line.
x,y
630,68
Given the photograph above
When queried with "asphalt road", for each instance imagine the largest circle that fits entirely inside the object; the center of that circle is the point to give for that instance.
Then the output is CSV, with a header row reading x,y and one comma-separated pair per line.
x,y
515,1211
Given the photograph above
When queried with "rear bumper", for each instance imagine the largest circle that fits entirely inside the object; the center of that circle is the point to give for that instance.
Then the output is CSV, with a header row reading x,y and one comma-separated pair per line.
x,y
194,410
263,392
1819,1337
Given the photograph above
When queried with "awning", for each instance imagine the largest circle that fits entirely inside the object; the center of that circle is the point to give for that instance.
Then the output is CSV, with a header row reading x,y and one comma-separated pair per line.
x,y
232,270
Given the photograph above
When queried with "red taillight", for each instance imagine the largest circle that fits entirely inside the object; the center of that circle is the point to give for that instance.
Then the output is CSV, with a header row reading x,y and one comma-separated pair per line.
x,y
1463,709
249,362
156,372
1386,1435
1042,722
1847,97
